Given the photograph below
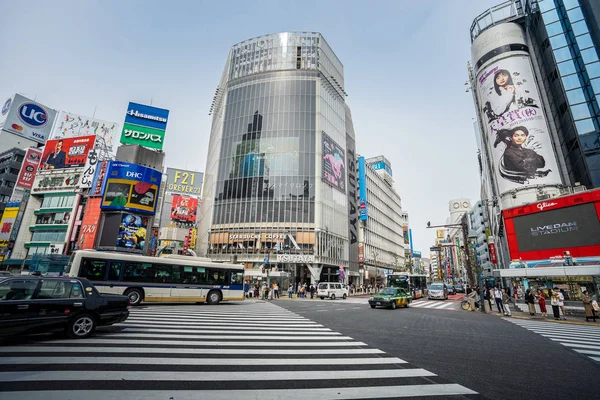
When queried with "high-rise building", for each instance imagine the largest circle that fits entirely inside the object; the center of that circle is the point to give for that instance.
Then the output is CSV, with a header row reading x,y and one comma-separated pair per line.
x,y
478,232
381,235
535,79
280,184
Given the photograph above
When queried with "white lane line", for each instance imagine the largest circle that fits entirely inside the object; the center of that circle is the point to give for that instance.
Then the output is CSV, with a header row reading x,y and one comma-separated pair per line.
x,y
179,350
322,310
238,318
218,326
577,343
431,305
240,343
238,321
583,346
241,313
555,325
443,305
222,337
590,352
53,376
202,322
356,308
365,392
200,361
568,337
230,331
595,358
340,309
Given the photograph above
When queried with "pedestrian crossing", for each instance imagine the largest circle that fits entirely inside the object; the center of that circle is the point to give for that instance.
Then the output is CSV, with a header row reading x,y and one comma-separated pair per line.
x,y
579,338
246,350
435,305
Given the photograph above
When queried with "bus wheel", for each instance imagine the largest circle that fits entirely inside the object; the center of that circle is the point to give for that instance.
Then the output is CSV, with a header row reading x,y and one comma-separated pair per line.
x,y
135,296
213,297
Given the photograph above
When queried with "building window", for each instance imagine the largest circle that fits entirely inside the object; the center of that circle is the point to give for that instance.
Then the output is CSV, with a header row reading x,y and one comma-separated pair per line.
x,y
585,126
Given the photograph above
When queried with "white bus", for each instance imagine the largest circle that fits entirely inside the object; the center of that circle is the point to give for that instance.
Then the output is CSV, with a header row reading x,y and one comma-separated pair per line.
x,y
159,279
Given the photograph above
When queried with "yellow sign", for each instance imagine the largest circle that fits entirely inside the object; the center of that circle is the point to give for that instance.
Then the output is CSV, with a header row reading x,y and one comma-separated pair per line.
x,y
440,233
192,238
6,224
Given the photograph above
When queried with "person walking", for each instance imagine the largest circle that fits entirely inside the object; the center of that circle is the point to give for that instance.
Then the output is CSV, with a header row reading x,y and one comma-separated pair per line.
x,y
506,299
554,304
587,304
561,303
487,305
498,298
530,300
246,289
265,292
541,298
276,291
299,290
290,290
312,291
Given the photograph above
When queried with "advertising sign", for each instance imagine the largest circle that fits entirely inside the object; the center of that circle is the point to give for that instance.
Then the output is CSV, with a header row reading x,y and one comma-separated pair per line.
x,y
381,165
184,208
132,232
64,180
29,168
131,187
7,222
362,185
192,235
89,224
99,177
333,169
515,124
184,182
72,125
361,253
27,118
66,153
492,251
145,126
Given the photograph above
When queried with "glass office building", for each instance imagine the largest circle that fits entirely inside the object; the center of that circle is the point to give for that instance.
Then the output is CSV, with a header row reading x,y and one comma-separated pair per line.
x,y
564,39
278,186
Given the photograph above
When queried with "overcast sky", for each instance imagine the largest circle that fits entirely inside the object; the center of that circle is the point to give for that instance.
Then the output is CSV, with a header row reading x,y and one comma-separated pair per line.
x,y
405,65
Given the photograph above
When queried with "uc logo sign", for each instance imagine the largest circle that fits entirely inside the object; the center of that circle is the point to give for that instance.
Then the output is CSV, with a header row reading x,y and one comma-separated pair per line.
x,y
6,106
33,115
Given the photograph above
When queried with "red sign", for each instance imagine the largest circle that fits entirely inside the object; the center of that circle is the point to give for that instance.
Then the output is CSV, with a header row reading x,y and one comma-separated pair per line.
x,y
549,228
28,168
186,244
492,250
89,224
67,153
184,208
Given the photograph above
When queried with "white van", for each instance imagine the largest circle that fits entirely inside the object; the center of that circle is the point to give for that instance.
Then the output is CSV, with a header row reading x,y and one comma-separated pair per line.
x,y
332,290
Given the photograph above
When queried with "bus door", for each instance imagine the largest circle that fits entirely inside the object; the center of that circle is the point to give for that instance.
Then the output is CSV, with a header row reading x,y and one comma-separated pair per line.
x,y
113,278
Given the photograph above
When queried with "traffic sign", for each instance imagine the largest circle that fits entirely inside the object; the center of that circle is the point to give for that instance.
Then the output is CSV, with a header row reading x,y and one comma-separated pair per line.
x,y
265,260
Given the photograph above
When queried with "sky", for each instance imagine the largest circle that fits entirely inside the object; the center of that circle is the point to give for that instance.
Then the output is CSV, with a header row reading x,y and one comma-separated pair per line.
x,y
405,68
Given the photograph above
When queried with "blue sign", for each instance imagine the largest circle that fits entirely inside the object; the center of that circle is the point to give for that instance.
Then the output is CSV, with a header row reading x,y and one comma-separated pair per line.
x,y
33,115
265,260
151,117
381,165
362,193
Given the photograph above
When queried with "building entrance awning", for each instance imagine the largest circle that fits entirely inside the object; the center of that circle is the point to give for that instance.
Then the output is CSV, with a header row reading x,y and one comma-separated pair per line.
x,y
539,272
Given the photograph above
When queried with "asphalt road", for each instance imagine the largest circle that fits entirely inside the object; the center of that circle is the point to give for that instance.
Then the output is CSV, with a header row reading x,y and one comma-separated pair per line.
x,y
496,358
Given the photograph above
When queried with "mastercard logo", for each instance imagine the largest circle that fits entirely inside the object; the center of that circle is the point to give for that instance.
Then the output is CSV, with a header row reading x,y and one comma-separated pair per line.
x,y
17,127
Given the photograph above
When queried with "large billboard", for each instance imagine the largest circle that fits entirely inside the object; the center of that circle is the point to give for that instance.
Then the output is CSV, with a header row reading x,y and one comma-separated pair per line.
x,y
63,181
511,111
184,182
66,153
333,169
71,125
362,185
29,167
27,118
132,232
547,229
184,208
130,187
145,126
6,223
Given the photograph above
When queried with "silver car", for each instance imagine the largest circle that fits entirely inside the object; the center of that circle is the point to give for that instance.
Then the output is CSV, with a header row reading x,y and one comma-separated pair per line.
x,y
437,291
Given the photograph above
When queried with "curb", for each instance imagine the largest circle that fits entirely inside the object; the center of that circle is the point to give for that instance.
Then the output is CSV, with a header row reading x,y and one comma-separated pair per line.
x,y
541,319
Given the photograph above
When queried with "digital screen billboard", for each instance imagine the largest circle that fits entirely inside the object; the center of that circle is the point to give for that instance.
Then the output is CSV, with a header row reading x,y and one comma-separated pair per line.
x,y
333,169
573,226
184,208
131,187
66,153
132,232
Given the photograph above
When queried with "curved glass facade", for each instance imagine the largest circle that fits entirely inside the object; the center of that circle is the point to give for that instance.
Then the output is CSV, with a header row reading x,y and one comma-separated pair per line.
x,y
278,184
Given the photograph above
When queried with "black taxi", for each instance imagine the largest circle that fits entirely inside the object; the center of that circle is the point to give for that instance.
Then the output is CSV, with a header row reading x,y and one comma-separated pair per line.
x,y
33,304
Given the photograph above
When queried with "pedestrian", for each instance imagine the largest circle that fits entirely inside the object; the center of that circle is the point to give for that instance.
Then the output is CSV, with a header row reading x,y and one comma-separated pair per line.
x,y
589,310
290,290
265,292
530,300
561,303
554,304
312,291
487,305
299,290
276,291
498,297
520,292
256,291
506,299
246,289
470,293
541,298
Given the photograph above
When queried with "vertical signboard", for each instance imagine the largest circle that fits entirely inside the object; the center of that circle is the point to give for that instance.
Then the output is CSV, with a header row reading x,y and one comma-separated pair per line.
x,y
27,118
511,110
89,224
28,168
362,184
6,224
145,125
333,164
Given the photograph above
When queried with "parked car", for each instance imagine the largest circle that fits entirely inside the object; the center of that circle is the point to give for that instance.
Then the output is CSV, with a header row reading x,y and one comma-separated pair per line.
x,y
30,304
331,290
460,288
390,297
437,291
451,288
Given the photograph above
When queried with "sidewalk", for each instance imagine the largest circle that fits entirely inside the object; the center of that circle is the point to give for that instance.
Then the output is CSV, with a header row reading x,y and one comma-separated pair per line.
x,y
521,311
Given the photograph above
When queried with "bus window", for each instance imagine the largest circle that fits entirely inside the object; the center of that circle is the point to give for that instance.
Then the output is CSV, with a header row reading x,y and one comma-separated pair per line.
x,y
176,276
94,270
138,272
216,277
164,273
237,278
114,272
196,275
